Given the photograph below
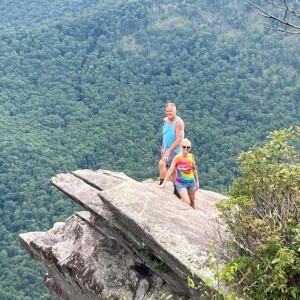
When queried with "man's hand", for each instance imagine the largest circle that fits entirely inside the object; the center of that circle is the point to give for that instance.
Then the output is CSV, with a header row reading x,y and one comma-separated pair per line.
x,y
166,155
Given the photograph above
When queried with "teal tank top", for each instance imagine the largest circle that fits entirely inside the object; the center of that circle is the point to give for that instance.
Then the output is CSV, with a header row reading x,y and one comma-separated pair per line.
x,y
169,135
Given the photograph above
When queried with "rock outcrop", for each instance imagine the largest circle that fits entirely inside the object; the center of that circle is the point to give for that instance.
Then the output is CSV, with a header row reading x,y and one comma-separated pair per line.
x,y
133,241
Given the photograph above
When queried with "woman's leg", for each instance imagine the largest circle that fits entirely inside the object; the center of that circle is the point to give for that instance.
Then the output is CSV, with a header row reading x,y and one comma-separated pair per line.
x,y
191,195
184,196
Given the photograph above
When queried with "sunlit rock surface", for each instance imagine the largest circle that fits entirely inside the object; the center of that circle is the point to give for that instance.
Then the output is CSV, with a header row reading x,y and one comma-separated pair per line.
x,y
134,240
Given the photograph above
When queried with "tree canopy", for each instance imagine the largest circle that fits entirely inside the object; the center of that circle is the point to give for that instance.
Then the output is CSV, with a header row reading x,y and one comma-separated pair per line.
x,y
83,85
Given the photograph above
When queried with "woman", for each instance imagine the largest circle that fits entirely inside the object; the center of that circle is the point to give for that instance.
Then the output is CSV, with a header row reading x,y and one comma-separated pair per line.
x,y
187,181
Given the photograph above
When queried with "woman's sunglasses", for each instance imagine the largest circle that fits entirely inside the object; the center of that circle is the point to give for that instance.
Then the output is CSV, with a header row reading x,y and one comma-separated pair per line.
x,y
186,147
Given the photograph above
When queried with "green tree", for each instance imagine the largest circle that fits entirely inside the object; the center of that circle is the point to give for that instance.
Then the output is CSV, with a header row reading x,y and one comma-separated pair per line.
x,y
263,217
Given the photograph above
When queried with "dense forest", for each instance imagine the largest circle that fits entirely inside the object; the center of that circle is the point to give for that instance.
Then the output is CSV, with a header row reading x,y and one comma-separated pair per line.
x,y
83,85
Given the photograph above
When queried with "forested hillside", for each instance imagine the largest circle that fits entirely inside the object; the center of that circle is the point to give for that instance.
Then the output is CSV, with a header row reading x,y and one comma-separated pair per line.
x,y
83,85
16,14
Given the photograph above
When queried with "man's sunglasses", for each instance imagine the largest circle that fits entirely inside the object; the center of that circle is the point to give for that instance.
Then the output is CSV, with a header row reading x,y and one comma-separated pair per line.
x,y
186,147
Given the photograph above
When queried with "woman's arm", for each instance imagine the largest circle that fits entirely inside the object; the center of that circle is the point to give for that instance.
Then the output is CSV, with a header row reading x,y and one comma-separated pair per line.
x,y
169,172
196,173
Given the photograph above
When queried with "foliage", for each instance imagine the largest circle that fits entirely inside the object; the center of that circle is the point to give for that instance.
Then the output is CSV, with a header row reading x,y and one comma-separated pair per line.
x,y
263,215
83,85
155,263
27,13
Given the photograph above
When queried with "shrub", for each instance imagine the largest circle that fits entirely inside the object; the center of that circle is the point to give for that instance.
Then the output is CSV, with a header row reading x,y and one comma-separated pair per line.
x,y
262,215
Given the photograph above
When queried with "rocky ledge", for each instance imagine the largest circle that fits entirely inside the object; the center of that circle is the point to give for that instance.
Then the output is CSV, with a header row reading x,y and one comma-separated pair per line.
x,y
133,241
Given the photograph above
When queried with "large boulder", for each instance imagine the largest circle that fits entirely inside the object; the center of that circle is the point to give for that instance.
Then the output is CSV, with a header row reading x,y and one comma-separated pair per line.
x,y
135,240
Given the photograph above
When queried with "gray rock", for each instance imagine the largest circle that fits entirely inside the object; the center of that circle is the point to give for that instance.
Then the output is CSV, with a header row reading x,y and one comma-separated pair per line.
x,y
135,240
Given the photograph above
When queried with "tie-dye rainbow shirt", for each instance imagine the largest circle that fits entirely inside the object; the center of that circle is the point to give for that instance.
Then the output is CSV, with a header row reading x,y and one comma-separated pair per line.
x,y
184,168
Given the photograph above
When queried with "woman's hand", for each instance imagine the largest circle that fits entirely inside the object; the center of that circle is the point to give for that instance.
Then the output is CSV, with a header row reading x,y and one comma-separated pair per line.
x,y
163,185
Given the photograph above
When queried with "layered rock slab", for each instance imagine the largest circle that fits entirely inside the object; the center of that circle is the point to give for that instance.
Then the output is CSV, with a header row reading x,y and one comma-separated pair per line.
x,y
174,232
82,264
151,226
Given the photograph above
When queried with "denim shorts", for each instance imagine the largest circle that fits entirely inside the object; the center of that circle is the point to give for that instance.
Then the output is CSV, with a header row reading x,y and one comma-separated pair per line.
x,y
192,186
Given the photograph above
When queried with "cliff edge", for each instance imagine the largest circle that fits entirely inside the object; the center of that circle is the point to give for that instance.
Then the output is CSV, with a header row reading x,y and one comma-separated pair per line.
x,y
132,241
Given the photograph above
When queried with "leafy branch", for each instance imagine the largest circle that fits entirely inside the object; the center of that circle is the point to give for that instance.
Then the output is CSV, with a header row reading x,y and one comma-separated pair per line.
x,y
286,15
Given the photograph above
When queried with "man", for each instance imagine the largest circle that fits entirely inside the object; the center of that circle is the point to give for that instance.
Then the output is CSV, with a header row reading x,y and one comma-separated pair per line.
x,y
173,134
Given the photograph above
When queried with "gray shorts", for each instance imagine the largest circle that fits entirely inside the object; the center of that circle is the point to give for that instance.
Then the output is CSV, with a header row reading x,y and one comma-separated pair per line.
x,y
170,158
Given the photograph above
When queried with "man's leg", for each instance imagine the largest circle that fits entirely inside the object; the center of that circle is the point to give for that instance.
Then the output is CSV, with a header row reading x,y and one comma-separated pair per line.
x,y
162,167
162,170
173,175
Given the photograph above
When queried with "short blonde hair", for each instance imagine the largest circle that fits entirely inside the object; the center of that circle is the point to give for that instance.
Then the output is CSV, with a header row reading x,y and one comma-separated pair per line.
x,y
170,104
186,141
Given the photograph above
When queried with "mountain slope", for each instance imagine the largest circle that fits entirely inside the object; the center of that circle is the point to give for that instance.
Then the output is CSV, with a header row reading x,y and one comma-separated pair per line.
x,y
87,90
